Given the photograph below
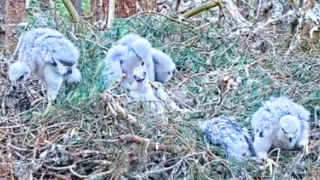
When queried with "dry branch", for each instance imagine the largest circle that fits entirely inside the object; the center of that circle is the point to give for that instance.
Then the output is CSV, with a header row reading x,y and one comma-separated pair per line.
x,y
111,11
84,153
153,145
107,98
197,10
72,10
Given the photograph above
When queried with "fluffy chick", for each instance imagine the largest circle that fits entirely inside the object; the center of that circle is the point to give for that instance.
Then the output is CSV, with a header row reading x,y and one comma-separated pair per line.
x,y
125,56
141,90
22,69
228,134
60,52
163,65
50,56
139,52
113,60
128,39
280,123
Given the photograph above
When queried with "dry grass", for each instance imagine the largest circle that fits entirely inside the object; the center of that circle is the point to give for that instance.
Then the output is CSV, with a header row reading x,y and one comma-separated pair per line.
x,y
83,137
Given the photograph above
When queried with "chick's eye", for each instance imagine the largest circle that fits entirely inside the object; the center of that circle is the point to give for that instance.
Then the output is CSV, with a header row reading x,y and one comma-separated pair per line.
x,y
169,73
142,63
20,78
67,64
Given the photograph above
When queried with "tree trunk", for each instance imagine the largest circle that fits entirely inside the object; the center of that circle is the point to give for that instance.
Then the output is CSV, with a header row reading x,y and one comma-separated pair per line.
x,y
94,11
124,8
2,30
15,14
78,5
2,13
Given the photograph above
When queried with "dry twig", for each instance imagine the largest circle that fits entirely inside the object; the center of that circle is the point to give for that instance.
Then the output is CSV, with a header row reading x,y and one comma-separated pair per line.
x,y
153,145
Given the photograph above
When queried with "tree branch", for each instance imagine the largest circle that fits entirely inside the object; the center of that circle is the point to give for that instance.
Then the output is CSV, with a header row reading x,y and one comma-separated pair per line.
x,y
112,7
72,10
152,145
118,110
199,9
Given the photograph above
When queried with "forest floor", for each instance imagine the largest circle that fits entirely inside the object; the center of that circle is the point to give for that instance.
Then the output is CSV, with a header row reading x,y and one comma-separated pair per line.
x,y
83,137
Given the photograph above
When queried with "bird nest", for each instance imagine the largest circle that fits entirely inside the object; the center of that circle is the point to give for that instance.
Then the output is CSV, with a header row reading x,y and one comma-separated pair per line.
x,y
91,134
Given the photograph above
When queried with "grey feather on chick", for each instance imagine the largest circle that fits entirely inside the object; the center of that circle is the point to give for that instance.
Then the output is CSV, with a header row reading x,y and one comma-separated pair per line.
x,y
50,56
280,123
113,70
139,53
225,132
26,50
128,39
163,65
128,53
58,51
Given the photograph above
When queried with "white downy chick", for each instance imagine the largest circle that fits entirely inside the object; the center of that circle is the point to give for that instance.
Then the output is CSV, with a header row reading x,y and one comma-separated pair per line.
x,y
27,57
226,133
61,53
128,39
50,56
141,90
163,65
139,53
113,70
128,53
280,123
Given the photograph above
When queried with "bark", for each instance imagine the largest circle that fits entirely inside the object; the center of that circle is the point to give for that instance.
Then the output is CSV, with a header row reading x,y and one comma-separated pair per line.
x,y
93,11
78,5
147,5
98,10
2,30
124,8
15,14
2,13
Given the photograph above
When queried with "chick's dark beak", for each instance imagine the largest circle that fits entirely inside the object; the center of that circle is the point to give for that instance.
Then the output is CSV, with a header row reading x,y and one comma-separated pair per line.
x,y
139,79
13,85
69,71
290,139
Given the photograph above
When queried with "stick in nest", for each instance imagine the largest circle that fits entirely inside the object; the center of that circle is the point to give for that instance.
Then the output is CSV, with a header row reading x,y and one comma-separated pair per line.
x,y
117,83
118,109
153,145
